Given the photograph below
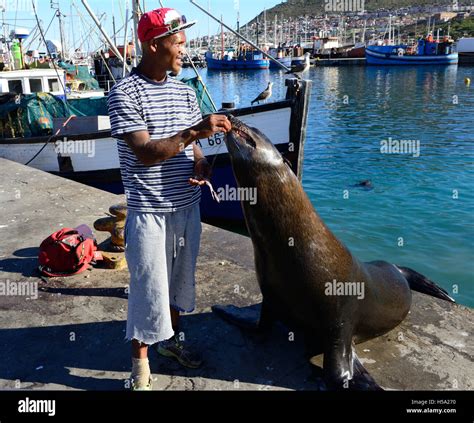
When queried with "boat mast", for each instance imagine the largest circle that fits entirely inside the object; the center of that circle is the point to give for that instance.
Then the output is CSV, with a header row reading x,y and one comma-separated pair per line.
x,y
4,41
265,26
114,30
59,15
282,30
209,25
125,44
113,47
305,29
238,30
296,32
365,30
222,40
137,14
275,33
71,22
237,4
257,32
390,30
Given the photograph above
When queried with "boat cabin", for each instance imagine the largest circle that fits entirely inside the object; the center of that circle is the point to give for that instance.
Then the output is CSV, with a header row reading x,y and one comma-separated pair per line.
x,y
32,81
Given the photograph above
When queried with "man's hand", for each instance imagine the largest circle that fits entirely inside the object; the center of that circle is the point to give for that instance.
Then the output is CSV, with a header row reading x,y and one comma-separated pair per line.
x,y
202,172
211,125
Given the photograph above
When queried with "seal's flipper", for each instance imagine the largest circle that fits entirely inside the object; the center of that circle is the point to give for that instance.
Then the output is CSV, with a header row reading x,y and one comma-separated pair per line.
x,y
361,379
342,369
244,317
422,284
354,378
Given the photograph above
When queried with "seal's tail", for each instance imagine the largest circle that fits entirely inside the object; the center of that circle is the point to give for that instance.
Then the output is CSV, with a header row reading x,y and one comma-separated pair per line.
x,y
422,284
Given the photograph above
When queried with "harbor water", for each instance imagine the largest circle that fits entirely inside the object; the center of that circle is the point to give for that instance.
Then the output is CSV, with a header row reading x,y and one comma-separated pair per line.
x,y
418,210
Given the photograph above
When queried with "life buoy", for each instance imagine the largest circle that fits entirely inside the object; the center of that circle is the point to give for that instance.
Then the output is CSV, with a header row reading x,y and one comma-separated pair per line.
x,y
401,52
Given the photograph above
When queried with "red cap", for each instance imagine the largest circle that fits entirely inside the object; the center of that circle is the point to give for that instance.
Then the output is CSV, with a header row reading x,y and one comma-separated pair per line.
x,y
160,23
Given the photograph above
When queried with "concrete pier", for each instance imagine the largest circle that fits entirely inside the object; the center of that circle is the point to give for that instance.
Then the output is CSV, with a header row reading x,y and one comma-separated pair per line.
x,y
72,335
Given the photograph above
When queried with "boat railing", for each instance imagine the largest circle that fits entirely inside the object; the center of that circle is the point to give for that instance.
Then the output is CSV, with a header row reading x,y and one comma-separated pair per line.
x,y
105,83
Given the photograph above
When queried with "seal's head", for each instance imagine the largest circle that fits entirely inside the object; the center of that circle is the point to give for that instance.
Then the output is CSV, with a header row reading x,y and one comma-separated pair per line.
x,y
251,152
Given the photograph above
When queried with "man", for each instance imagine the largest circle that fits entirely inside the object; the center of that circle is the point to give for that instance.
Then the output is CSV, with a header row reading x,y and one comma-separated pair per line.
x,y
157,120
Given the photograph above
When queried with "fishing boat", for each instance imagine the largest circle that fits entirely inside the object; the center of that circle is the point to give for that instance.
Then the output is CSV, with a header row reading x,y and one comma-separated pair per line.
x,y
425,53
465,49
248,60
282,55
30,81
243,58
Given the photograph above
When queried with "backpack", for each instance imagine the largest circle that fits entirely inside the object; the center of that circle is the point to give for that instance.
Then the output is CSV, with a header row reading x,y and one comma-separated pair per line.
x,y
67,252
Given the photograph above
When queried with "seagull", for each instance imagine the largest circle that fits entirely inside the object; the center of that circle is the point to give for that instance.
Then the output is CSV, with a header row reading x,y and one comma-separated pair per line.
x,y
265,95
303,67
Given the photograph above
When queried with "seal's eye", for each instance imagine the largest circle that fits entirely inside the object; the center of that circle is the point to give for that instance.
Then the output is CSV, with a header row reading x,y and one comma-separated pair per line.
x,y
248,139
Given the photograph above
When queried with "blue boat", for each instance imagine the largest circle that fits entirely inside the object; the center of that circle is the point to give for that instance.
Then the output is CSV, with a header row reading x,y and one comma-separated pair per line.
x,y
297,61
427,52
283,60
249,61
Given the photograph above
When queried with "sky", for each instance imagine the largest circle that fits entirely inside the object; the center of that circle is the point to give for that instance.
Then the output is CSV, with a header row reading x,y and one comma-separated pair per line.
x,y
19,13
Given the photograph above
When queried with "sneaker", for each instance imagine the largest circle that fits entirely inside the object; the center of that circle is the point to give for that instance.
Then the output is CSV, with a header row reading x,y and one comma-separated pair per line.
x,y
175,349
147,387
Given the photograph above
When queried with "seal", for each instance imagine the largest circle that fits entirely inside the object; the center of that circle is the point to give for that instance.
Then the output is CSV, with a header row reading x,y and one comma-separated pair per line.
x,y
366,185
307,277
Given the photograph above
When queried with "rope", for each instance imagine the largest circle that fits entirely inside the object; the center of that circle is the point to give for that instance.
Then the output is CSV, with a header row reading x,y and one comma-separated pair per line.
x,y
50,138
47,48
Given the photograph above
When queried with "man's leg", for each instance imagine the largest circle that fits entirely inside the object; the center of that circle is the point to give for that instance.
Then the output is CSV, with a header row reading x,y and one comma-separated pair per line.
x,y
174,319
148,319
139,350
184,230
141,373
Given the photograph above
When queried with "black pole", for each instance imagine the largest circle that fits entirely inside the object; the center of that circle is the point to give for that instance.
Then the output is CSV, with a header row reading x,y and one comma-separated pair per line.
x,y
257,32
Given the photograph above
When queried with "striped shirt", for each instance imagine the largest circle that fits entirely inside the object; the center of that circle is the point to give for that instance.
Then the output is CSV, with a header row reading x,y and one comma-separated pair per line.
x,y
163,109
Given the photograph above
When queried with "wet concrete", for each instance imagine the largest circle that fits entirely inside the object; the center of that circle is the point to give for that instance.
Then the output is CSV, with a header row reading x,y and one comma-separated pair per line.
x,y
72,335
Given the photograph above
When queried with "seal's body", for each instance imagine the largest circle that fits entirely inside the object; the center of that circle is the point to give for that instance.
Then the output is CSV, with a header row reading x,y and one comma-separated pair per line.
x,y
303,270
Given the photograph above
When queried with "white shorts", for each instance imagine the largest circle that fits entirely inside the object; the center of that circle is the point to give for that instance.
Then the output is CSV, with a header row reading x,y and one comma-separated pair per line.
x,y
161,251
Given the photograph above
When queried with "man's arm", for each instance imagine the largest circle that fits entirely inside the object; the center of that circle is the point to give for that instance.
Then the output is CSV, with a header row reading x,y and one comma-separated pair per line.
x,y
198,153
151,152
202,168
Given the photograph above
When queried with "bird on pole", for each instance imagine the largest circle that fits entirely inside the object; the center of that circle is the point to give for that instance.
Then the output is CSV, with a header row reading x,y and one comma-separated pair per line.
x,y
302,67
264,95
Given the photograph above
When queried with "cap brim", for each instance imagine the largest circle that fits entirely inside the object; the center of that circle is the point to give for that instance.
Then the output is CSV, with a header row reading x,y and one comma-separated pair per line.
x,y
177,29
187,25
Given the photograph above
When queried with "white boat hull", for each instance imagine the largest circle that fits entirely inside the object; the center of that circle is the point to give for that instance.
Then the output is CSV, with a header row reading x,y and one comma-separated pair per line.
x,y
96,154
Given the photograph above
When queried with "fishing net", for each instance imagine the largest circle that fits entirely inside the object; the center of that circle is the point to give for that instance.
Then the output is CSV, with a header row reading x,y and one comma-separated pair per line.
x,y
32,115
79,77
202,95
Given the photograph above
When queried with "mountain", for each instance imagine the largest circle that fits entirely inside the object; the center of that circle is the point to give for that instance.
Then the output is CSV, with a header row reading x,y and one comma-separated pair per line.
x,y
295,8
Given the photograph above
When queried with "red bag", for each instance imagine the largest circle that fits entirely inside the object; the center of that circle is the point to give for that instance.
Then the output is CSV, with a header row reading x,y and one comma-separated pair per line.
x,y
66,252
